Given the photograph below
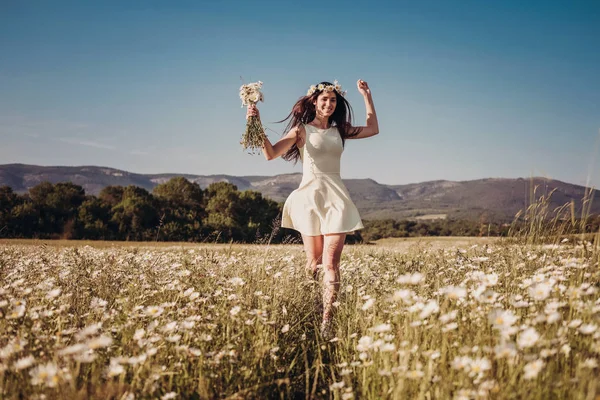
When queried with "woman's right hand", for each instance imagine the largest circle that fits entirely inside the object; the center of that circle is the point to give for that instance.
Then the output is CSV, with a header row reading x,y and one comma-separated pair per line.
x,y
252,111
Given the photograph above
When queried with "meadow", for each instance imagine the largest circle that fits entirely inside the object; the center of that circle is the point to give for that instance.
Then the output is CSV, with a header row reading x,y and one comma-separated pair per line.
x,y
462,318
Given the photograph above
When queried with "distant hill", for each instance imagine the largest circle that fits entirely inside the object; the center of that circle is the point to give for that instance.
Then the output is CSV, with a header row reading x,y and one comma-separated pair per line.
x,y
496,198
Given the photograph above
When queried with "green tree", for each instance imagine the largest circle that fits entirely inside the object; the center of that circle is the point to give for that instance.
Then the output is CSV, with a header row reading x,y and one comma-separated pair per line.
x,y
136,215
57,206
94,220
181,209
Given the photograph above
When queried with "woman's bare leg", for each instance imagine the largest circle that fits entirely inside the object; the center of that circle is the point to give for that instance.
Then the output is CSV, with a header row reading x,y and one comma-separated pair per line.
x,y
313,247
332,253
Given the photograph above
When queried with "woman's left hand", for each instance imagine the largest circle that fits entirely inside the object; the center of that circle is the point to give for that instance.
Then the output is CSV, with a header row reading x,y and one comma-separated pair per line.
x,y
363,87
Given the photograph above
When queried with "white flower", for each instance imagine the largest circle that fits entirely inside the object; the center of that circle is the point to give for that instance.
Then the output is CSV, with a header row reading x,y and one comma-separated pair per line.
x,y
154,311
100,341
455,292
237,281
415,374
505,350
553,317
387,347
169,396
139,334
501,319
74,349
590,363
432,307
53,293
490,279
461,362
588,329
337,385
532,369
528,338
235,310
382,328
413,279
575,323
365,343
25,362
565,349
285,328
403,294
445,318
45,374
479,365
368,304
541,291
114,369
449,327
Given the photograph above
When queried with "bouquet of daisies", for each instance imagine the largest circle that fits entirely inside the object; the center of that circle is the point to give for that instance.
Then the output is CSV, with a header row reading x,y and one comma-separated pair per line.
x,y
254,135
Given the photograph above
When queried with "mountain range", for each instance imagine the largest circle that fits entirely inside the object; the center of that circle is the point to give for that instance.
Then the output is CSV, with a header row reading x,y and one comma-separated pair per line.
x,y
496,198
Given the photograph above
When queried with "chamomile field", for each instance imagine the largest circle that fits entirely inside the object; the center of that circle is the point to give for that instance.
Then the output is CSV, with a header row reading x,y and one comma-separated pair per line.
x,y
416,319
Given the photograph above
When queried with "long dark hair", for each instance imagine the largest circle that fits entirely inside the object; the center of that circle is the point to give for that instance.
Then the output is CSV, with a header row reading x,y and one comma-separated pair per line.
x,y
304,112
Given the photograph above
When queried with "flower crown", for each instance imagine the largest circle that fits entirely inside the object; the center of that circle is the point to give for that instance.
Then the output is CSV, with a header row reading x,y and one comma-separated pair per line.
x,y
328,88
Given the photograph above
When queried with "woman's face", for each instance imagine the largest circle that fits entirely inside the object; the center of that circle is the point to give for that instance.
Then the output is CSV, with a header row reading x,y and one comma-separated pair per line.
x,y
326,103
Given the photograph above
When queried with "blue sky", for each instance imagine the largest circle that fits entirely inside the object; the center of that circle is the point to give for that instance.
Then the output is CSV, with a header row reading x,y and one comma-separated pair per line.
x,y
463,90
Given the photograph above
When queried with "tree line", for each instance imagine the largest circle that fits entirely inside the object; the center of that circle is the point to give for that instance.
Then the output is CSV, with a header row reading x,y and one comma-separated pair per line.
x,y
177,210
180,210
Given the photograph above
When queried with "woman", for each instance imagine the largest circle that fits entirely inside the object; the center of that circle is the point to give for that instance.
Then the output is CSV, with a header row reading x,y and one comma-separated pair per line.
x,y
321,208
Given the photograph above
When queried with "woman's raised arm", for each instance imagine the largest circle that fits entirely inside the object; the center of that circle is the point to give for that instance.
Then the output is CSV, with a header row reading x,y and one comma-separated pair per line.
x,y
372,127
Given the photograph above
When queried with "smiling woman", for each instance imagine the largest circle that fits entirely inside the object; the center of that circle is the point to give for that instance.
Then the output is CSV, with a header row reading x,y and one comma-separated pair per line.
x,y
321,208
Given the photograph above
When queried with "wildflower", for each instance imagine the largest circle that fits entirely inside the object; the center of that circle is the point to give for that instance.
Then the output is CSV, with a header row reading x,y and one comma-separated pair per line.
x,y
502,318
415,374
382,328
139,334
403,294
590,363
45,374
337,385
565,349
53,293
99,342
235,310
432,307
575,323
541,291
169,396
455,292
237,281
364,344
154,311
368,304
74,349
445,318
450,327
387,347
461,362
532,369
24,363
409,279
114,369
479,366
528,338
588,329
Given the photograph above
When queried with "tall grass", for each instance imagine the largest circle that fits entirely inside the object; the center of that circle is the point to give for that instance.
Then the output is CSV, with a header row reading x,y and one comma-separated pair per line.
x,y
498,321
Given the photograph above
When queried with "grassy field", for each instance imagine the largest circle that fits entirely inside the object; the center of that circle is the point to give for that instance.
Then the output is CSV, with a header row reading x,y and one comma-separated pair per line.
x,y
439,318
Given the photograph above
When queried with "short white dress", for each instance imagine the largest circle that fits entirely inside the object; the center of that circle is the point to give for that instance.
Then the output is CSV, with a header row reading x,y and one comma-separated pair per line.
x,y
321,205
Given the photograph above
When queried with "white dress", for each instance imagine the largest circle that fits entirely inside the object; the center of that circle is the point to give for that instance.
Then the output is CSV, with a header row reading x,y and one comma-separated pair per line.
x,y
321,205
